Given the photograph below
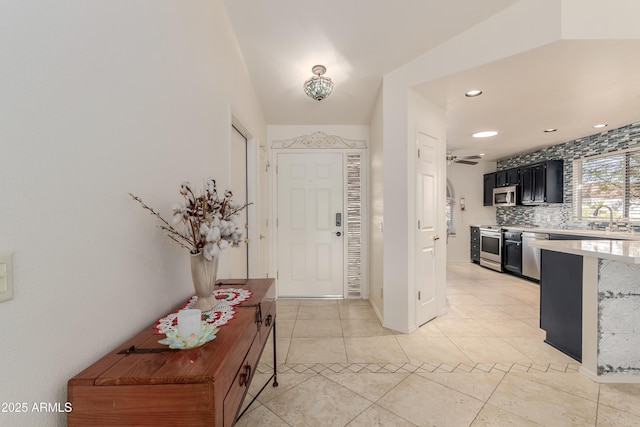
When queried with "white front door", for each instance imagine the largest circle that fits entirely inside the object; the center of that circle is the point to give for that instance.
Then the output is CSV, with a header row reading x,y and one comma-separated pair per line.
x,y
310,225
428,214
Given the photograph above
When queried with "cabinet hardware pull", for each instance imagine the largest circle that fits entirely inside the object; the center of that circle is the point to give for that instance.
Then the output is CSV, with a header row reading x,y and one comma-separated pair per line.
x,y
258,308
137,350
259,315
244,377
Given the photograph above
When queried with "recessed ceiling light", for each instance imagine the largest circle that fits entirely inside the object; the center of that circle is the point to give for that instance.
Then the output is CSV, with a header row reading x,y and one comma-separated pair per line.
x,y
484,134
600,125
550,130
473,92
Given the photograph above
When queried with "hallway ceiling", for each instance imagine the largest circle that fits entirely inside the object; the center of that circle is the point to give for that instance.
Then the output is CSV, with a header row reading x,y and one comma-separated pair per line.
x,y
567,85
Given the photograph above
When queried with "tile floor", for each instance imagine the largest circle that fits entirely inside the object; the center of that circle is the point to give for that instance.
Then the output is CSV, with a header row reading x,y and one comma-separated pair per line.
x,y
482,364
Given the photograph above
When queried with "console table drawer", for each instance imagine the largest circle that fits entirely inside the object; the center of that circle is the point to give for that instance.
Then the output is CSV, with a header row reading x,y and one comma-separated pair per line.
x,y
144,405
240,384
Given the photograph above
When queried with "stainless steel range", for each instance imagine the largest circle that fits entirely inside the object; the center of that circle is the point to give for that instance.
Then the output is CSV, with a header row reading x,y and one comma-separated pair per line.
x,y
491,247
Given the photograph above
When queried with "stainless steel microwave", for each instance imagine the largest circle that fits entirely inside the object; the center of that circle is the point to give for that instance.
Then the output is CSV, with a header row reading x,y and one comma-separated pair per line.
x,y
505,196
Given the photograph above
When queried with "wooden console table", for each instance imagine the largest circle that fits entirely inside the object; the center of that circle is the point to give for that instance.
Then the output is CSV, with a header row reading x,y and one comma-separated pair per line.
x,y
153,385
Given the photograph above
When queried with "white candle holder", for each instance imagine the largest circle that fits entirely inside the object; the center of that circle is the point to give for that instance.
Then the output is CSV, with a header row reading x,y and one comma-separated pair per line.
x,y
189,323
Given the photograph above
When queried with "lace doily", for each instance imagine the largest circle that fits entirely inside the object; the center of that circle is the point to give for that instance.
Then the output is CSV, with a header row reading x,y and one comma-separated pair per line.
x,y
219,316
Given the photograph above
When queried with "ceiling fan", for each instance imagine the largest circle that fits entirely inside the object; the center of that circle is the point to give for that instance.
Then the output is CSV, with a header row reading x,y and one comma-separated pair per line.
x,y
466,160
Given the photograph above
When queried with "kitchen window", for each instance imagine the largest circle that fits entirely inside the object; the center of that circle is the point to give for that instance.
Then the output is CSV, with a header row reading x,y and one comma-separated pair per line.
x,y
611,179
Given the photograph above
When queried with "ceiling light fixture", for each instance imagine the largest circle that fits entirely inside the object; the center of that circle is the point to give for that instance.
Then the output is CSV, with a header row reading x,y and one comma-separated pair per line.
x,y
318,87
600,125
484,134
551,130
473,93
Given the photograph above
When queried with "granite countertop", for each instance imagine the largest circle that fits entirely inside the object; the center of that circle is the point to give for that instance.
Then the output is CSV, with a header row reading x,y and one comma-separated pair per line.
x,y
619,235
627,251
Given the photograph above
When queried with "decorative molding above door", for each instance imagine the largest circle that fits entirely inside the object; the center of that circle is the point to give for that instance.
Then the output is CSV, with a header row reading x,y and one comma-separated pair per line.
x,y
319,140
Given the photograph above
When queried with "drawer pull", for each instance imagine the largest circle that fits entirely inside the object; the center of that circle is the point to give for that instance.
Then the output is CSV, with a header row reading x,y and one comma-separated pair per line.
x,y
269,320
259,315
258,308
244,377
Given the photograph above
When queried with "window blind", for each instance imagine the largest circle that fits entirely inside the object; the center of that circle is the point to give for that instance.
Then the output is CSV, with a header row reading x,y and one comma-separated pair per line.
x,y
612,180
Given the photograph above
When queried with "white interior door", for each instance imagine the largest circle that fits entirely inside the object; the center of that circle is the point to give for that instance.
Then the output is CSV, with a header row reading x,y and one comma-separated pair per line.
x,y
428,215
239,256
263,270
310,225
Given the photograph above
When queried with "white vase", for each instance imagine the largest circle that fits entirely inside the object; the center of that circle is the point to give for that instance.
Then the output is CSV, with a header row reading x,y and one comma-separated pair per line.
x,y
204,273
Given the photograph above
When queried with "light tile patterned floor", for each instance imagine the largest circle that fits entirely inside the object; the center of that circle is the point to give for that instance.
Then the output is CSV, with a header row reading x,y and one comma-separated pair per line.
x,y
482,364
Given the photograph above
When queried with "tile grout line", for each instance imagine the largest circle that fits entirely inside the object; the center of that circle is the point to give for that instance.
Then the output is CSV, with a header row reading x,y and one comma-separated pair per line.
x,y
489,398
401,367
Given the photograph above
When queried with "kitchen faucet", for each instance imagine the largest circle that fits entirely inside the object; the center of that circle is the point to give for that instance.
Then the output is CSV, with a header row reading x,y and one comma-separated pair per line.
x,y
595,213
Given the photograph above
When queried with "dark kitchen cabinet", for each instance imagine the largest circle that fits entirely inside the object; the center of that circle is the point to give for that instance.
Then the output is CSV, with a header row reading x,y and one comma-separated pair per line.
x,y
542,183
561,296
532,180
489,185
475,244
513,176
501,178
563,236
507,177
512,251
561,301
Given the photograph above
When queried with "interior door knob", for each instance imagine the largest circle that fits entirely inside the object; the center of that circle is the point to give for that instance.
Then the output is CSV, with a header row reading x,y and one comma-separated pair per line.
x,y
436,237
338,234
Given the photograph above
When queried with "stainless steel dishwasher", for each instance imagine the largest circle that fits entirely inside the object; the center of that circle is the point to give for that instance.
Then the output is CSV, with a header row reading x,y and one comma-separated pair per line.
x,y
531,255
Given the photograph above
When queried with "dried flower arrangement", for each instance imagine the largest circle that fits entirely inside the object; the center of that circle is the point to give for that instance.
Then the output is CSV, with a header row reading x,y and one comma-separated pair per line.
x,y
207,220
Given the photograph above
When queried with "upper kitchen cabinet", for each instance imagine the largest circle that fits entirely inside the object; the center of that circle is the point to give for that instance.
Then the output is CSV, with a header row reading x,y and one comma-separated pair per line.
x,y
507,177
542,183
489,185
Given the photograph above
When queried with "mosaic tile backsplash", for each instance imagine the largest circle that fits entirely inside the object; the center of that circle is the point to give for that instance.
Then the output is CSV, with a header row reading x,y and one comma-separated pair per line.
x,y
561,215
618,321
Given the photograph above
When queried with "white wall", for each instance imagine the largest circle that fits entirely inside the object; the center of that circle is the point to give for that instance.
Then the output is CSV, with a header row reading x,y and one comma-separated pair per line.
x,y
594,19
404,114
500,36
102,98
376,205
468,184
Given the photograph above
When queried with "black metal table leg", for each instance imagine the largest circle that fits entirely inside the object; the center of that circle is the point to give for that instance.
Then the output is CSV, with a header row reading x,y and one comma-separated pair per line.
x,y
275,356
274,376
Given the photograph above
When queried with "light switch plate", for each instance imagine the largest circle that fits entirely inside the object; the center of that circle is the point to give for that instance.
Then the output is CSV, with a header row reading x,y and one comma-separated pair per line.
x,y
6,276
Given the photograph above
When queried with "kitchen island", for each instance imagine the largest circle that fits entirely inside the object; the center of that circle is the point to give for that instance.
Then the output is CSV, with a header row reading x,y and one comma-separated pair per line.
x,y
610,294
